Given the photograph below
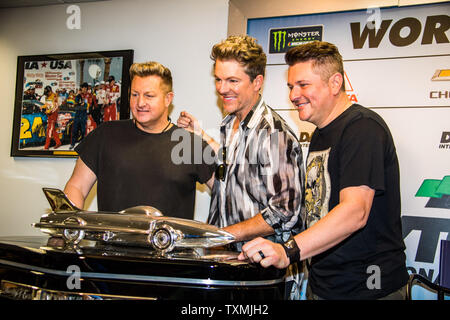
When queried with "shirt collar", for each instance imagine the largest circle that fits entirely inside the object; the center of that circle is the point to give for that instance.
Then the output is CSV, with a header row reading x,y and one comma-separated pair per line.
x,y
250,118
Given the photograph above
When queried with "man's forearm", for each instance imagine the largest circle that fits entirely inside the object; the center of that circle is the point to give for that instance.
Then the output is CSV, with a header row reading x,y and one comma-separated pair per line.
x,y
250,228
75,196
209,140
343,220
80,183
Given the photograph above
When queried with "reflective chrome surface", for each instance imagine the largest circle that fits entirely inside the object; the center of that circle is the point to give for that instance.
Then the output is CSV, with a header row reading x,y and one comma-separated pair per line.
x,y
41,268
138,226
21,291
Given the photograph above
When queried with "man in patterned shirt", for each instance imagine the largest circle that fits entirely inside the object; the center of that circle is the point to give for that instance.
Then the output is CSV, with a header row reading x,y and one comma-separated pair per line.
x,y
258,185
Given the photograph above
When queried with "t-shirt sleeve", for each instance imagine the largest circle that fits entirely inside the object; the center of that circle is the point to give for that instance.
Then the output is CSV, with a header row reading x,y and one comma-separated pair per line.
x,y
362,155
205,164
89,148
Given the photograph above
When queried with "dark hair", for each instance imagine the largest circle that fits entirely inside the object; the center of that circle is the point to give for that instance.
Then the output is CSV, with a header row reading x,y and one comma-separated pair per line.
x,y
245,50
152,68
325,57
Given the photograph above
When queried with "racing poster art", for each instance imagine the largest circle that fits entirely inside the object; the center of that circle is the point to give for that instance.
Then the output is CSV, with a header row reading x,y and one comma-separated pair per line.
x,y
61,98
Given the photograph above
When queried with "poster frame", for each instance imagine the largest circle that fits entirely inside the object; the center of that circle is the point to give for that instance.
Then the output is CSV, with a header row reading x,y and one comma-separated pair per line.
x,y
23,129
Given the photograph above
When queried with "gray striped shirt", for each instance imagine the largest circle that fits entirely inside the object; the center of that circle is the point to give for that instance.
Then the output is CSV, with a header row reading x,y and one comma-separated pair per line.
x,y
264,173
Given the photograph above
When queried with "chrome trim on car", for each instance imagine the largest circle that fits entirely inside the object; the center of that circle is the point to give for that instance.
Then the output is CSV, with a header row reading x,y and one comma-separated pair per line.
x,y
16,290
133,277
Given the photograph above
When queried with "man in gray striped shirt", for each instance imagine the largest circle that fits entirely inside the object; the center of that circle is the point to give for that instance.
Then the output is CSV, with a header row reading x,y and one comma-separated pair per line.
x,y
259,180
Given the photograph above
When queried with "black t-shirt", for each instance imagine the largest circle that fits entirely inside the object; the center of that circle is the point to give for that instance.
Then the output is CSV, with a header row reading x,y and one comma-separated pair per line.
x,y
138,168
353,150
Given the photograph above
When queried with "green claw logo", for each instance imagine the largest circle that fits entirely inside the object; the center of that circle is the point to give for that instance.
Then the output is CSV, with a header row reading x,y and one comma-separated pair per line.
x,y
438,191
280,40
278,44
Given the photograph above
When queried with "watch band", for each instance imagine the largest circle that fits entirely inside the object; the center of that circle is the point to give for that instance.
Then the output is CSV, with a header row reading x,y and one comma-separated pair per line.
x,y
292,250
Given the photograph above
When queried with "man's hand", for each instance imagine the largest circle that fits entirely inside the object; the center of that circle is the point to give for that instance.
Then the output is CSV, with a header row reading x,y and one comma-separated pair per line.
x,y
189,122
274,254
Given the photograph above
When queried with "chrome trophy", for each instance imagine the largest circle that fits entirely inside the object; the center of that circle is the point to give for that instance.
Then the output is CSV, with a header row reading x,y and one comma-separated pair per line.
x,y
142,226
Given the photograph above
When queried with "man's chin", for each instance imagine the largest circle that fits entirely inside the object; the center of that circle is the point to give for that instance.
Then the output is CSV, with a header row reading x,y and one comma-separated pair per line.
x,y
144,122
303,116
229,108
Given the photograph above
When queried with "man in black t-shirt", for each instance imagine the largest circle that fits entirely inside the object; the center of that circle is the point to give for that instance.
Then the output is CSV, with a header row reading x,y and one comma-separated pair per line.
x,y
353,237
146,160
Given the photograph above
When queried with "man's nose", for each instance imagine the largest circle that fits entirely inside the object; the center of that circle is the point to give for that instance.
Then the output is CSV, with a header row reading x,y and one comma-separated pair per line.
x,y
294,93
222,87
140,100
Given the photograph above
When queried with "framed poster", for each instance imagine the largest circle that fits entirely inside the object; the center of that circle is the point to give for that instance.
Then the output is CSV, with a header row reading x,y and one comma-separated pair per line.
x,y
60,98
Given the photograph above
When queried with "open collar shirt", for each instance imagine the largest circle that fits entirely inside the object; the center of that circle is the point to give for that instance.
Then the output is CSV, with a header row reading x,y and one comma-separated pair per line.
x,y
264,173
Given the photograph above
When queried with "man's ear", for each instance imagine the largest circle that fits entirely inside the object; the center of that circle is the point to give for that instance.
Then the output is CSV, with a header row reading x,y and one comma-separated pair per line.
x,y
335,83
168,98
258,82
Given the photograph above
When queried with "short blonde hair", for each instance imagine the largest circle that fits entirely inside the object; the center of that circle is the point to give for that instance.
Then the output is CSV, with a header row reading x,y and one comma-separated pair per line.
x,y
245,50
152,68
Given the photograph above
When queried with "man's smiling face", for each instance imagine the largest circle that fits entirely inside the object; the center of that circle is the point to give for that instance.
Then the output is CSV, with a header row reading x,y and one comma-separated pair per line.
x,y
309,93
239,94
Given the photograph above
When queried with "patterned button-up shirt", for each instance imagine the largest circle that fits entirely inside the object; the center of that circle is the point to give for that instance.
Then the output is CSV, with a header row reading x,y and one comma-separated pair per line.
x,y
264,174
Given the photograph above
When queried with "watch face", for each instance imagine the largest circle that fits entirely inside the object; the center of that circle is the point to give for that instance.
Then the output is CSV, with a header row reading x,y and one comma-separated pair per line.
x,y
290,244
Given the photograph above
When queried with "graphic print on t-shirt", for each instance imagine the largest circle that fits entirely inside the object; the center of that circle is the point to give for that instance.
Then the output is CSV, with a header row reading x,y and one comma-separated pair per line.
x,y
318,186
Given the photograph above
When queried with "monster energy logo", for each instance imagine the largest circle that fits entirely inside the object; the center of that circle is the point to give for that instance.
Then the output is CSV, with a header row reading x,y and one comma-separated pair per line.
x,y
281,40
279,45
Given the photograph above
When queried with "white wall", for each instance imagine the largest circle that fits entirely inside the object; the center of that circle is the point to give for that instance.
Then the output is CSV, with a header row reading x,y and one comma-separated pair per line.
x,y
179,34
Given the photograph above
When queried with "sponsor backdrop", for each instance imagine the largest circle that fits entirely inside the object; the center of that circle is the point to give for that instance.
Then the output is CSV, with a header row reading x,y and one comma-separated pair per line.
x,y
397,63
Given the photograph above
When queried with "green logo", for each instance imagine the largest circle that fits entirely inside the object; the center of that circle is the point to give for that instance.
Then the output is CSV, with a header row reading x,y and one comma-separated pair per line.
x,y
437,190
281,40
278,43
